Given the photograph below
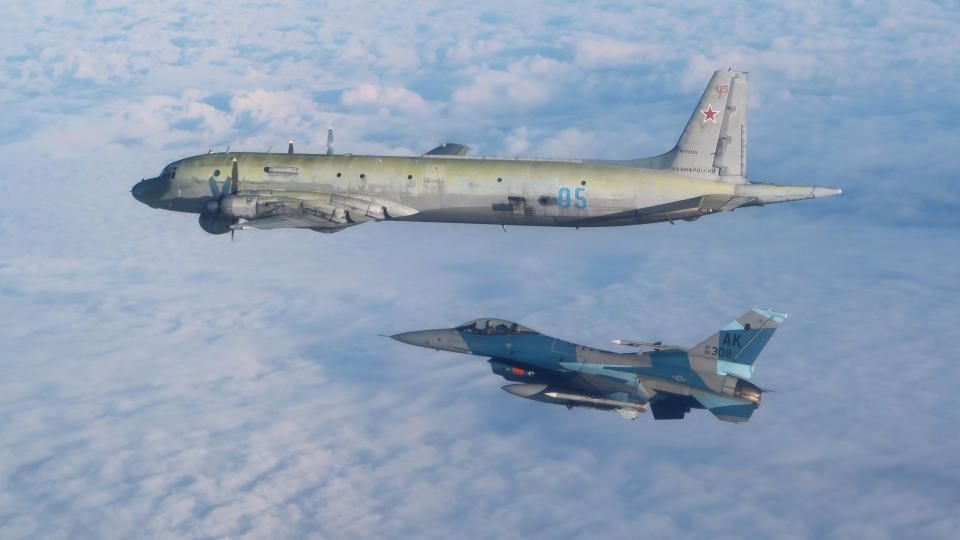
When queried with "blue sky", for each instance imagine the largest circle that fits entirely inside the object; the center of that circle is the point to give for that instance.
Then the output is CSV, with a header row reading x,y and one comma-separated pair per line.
x,y
161,382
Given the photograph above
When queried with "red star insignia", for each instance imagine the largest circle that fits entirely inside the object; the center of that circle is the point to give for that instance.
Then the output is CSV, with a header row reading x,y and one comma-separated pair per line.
x,y
709,114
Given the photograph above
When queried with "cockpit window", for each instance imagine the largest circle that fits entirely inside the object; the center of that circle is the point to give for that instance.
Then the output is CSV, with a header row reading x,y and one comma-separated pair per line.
x,y
495,327
169,172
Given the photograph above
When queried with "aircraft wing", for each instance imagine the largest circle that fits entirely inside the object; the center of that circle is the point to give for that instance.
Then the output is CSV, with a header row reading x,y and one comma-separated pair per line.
x,y
298,222
318,211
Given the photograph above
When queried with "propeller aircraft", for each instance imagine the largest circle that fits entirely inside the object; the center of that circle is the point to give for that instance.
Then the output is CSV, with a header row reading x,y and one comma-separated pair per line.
x,y
704,173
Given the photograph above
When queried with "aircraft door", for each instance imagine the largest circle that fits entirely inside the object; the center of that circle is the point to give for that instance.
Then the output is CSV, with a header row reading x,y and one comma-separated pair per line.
x,y
434,181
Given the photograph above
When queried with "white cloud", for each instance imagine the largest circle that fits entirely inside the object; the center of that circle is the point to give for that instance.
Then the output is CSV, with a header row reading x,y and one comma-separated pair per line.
x,y
277,108
605,52
469,51
393,97
526,83
517,141
167,383
568,143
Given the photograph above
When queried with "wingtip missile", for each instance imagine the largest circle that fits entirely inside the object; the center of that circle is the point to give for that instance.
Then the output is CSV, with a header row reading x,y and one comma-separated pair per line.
x,y
826,192
657,345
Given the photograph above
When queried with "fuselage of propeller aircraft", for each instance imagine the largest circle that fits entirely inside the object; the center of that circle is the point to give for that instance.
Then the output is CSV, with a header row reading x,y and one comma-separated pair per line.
x,y
704,173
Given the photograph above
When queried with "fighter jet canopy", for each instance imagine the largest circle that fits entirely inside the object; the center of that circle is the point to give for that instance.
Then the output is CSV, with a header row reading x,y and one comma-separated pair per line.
x,y
496,327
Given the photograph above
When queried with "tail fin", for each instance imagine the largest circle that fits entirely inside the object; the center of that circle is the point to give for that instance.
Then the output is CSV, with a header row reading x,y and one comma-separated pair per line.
x,y
737,345
714,143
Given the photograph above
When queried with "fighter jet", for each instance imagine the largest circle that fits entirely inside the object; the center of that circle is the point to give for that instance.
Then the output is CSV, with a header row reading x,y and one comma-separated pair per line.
x,y
704,173
667,379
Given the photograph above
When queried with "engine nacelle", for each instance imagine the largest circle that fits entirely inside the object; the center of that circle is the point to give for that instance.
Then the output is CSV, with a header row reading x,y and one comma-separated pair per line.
x,y
215,223
240,206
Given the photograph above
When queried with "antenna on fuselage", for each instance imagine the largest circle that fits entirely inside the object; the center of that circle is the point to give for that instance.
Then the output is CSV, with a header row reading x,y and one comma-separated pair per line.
x,y
329,141
290,147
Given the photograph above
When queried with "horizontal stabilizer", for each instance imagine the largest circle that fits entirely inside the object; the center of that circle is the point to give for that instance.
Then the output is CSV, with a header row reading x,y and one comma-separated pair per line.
x,y
726,409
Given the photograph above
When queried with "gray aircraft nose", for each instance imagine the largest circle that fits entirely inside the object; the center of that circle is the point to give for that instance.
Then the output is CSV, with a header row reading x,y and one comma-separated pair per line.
x,y
148,191
420,338
137,191
445,339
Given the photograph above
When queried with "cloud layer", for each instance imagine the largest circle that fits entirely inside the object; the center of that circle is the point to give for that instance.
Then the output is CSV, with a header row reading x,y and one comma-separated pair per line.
x,y
160,382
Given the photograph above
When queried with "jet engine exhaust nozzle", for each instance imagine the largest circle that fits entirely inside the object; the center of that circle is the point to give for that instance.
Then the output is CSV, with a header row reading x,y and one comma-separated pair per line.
x,y
748,391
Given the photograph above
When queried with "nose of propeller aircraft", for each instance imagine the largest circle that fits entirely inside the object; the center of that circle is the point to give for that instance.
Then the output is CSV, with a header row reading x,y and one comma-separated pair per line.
x,y
148,191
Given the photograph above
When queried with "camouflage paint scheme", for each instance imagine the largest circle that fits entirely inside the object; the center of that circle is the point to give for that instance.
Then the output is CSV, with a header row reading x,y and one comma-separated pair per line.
x,y
704,173
669,380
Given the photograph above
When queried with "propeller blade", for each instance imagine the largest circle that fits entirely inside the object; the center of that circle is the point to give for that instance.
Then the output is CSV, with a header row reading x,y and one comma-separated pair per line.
x,y
227,185
236,177
290,148
329,141
213,188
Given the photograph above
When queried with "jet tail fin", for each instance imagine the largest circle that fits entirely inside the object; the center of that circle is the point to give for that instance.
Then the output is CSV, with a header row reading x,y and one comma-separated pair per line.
x,y
714,143
737,345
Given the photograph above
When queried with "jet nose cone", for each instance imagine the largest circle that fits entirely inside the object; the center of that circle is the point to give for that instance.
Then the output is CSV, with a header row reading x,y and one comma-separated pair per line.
x,y
411,338
445,339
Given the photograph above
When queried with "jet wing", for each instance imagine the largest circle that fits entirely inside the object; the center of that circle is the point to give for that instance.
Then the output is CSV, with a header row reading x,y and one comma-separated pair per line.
x,y
319,211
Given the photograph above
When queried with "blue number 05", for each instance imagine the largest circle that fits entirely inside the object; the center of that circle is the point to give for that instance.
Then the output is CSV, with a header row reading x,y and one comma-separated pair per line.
x,y
563,198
